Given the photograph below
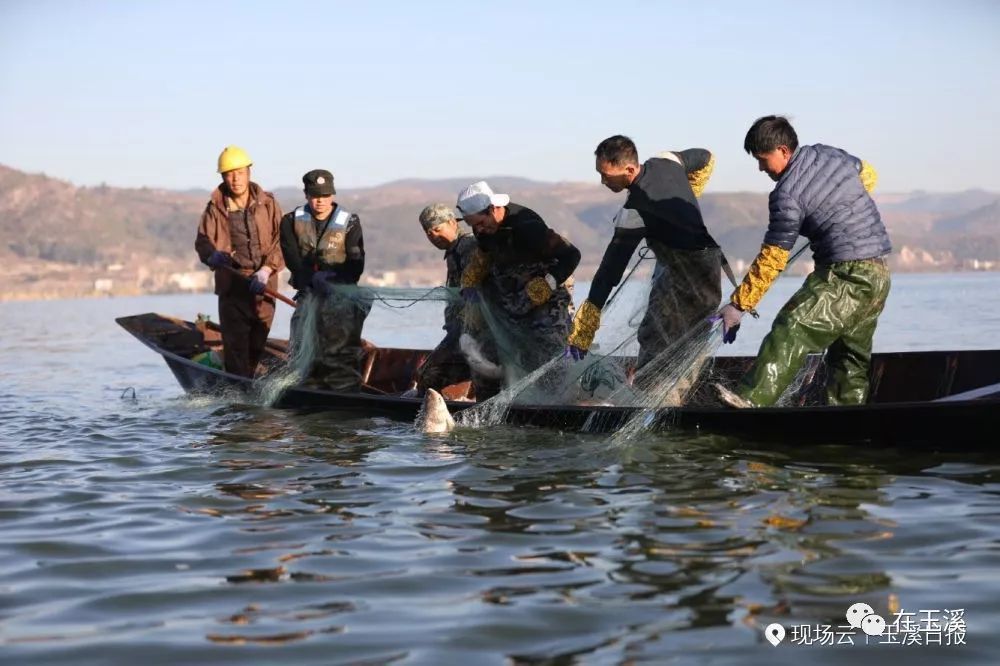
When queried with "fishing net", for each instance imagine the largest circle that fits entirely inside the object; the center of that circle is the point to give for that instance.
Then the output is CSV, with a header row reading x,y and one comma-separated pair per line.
x,y
338,320
525,356
553,379
302,350
608,376
665,382
641,361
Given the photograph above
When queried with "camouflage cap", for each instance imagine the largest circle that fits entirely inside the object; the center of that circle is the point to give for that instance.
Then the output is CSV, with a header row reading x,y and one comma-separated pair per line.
x,y
436,214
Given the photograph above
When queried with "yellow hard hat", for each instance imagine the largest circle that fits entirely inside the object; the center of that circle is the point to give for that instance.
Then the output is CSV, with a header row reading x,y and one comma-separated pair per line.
x,y
233,157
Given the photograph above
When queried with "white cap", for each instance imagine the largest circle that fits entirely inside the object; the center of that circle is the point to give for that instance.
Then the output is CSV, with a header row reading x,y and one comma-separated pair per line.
x,y
478,197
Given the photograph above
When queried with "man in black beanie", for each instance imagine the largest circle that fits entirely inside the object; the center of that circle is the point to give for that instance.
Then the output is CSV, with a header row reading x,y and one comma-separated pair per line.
x,y
323,248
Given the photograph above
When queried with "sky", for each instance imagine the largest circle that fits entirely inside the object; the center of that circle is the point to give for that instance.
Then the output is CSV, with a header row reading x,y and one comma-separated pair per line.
x,y
148,93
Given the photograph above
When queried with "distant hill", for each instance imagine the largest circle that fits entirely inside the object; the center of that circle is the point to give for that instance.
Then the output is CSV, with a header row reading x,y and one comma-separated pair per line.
x,y
942,204
50,227
974,235
49,219
983,221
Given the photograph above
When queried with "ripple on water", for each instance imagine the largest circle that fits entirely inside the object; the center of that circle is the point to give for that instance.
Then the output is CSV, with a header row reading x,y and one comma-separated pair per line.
x,y
197,530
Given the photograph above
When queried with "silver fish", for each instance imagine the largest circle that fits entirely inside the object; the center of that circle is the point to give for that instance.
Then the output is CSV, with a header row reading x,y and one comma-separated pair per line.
x,y
434,416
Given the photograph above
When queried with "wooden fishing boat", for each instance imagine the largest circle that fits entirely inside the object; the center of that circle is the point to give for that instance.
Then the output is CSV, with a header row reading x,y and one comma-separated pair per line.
x,y
947,400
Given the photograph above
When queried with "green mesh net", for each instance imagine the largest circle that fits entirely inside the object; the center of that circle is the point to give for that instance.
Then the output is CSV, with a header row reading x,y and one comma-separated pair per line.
x,y
528,362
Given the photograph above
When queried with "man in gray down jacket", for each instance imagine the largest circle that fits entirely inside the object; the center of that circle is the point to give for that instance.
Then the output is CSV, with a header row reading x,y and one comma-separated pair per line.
x,y
822,193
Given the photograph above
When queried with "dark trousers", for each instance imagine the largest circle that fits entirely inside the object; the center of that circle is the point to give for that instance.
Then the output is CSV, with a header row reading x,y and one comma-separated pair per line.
x,y
245,320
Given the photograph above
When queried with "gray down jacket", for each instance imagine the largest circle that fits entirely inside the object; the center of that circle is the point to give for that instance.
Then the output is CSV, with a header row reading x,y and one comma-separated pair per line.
x,y
820,196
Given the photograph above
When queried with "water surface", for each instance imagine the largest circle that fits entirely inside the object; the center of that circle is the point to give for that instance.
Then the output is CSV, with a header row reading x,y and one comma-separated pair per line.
x,y
168,529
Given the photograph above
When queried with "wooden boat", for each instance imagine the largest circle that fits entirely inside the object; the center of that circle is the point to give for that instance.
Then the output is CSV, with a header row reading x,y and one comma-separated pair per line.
x,y
947,400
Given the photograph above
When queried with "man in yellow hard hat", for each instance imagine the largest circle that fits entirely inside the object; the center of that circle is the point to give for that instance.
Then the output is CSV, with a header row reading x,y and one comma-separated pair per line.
x,y
239,238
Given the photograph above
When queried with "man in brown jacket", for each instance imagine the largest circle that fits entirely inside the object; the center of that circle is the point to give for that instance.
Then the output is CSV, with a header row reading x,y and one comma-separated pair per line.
x,y
239,238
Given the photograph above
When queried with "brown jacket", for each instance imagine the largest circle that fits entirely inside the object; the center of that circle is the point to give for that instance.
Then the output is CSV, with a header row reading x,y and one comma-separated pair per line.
x,y
213,234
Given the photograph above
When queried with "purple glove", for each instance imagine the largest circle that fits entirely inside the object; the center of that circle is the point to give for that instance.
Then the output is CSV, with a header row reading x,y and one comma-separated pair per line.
x,y
470,294
258,281
731,316
574,352
321,282
218,259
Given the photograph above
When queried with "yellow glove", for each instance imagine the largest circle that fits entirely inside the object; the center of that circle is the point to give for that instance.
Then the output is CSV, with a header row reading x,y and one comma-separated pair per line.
x,y
762,273
472,318
585,325
540,289
699,179
475,272
868,175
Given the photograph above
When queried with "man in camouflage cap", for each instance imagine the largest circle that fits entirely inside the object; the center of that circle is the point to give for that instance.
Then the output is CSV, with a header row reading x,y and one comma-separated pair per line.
x,y
446,365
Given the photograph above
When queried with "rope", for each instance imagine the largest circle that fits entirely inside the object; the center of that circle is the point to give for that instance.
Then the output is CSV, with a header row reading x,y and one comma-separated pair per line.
x,y
644,253
365,293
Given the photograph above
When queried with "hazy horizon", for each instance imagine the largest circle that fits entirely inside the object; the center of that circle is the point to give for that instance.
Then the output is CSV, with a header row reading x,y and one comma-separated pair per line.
x,y
470,179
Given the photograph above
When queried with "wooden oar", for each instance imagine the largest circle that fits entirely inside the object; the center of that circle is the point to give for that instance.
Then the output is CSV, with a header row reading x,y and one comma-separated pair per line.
x,y
272,294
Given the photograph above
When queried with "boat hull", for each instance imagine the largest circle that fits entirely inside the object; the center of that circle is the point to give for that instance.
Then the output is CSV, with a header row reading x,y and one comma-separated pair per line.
x,y
917,398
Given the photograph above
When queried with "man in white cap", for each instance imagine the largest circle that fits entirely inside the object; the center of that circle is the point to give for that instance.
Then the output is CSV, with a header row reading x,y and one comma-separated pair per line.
x,y
516,281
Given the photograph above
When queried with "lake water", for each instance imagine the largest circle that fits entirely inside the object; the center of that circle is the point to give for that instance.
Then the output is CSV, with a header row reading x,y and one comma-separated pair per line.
x,y
172,530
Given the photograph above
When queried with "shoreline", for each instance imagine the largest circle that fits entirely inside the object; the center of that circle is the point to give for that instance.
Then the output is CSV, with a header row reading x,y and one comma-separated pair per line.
x,y
78,292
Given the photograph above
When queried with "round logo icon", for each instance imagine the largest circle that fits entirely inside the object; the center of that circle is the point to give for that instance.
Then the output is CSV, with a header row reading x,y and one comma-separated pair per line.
x,y
873,625
858,612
